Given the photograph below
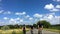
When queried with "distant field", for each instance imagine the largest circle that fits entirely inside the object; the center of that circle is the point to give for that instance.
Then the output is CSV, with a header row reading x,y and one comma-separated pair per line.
x,y
17,31
54,30
56,27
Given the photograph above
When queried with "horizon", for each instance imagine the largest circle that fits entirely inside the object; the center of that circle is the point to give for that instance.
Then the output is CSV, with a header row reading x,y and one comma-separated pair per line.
x,y
29,11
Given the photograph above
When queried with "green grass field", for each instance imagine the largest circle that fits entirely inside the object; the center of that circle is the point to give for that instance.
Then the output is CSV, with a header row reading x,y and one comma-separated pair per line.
x,y
55,27
16,31
53,30
10,31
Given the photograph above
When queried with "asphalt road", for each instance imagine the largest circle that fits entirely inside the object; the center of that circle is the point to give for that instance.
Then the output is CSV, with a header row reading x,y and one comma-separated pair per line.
x,y
35,31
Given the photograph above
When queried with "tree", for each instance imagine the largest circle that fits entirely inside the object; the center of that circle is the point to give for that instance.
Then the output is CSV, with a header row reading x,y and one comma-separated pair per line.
x,y
45,23
35,26
5,28
17,26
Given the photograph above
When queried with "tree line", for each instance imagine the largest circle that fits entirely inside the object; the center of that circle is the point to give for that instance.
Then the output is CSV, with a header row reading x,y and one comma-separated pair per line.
x,y
45,24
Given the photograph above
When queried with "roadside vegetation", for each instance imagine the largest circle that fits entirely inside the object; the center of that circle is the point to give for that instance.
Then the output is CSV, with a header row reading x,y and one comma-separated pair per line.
x,y
13,29
47,26
17,29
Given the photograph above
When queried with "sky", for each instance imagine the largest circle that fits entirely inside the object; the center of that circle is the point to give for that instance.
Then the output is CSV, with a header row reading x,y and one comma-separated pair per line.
x,y
29,11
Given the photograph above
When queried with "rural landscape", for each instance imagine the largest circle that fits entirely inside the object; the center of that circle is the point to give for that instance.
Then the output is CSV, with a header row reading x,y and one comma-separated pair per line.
x,y
17,29
29,16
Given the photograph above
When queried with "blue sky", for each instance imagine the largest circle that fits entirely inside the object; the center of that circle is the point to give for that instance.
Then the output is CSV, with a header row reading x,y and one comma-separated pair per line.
x,y
29,11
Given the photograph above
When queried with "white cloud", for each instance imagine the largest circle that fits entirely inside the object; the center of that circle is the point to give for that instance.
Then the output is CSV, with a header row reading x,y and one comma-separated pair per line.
x,y
16,21
21,20
27,16
30,18
50,16
56,20
5,18
17,18
52,8
52,13
49,6
37,15
24,13
4,12
1,11
52,19
57,0
18,13
57,6
8,12
12,21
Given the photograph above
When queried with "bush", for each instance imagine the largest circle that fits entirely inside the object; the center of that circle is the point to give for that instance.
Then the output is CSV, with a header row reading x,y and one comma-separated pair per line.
x,y
5,28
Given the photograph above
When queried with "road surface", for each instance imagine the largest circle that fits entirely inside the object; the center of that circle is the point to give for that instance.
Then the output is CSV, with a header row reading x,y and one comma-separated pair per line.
x,y
35,31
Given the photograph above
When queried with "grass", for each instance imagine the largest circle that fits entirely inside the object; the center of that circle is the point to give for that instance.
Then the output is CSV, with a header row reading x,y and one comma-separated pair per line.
x,y
10,31
17,31
55,27
53,30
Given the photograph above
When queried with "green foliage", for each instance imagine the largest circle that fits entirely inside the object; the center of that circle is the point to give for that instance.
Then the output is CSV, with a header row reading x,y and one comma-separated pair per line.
x,y
45,23
13,32
5,28
28,26
11,26
35,25
0,27
16,26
